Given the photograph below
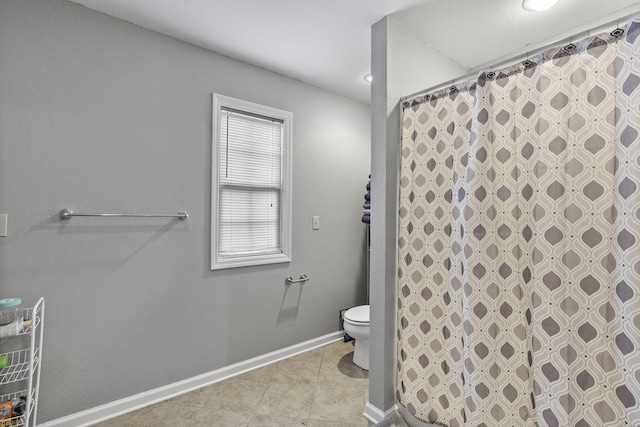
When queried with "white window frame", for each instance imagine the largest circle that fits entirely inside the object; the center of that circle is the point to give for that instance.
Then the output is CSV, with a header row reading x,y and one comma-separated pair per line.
x,y
221,262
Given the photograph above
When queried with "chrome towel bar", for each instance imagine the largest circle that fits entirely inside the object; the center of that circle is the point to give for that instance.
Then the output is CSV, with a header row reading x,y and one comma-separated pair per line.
x,y
291,280
68,213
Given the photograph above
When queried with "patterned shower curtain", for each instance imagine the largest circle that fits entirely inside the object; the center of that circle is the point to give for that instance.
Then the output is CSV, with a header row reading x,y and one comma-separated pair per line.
x,y
519,261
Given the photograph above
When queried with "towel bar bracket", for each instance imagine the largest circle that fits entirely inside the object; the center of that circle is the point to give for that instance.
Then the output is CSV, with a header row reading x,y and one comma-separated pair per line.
x,y
289,280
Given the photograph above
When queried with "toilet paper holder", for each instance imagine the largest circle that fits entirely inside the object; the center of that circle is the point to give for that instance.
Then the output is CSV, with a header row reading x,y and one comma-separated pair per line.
x,y
303,278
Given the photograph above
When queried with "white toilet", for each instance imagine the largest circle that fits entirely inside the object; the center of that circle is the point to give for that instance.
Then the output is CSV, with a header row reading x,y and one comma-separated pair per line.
x,y
356,325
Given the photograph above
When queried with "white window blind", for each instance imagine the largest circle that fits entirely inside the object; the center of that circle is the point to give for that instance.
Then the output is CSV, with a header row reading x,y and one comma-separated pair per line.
x,y
250,183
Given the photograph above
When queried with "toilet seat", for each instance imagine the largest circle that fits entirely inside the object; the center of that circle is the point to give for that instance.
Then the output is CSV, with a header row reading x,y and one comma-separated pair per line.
x,y
358,315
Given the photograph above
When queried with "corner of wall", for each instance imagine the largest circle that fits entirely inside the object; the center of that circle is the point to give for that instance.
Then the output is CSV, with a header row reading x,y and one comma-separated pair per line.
x,y
384,159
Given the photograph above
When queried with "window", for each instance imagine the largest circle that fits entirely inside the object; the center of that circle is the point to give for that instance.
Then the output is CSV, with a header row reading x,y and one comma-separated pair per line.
x,y
251,177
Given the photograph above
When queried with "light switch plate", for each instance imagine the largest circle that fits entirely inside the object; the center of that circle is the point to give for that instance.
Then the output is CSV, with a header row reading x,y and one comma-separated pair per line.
x,y
315,221
3,225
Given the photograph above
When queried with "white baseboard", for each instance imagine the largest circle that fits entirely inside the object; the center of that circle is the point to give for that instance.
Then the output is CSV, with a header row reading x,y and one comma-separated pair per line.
x,y
373,414
147,398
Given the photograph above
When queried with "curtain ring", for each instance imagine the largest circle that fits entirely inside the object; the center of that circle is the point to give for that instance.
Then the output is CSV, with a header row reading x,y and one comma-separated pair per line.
x,y
618,32
491,74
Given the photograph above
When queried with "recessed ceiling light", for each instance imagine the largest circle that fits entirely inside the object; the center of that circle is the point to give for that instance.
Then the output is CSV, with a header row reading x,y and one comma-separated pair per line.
x,y
538,5
368,78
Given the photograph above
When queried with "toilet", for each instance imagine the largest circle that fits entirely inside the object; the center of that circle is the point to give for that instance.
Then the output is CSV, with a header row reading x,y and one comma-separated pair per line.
x,y
356,325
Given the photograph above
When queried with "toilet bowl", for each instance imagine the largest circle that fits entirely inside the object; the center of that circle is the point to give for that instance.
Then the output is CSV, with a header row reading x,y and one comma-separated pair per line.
x,y
356,325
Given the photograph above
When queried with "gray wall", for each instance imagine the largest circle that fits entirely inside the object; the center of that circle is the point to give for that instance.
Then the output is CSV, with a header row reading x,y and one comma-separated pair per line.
x,y
97,114
384,157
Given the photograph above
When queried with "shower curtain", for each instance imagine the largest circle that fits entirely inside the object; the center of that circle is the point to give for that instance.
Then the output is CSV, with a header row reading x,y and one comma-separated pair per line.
x,y
519,262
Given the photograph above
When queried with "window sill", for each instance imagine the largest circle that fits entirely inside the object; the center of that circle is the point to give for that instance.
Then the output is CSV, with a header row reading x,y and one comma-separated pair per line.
x,y
223,263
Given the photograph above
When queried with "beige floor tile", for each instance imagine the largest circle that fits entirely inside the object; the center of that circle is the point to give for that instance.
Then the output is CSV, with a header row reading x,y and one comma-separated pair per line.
x,y
268,421
344,373
335,351
219,418
298,371
197,398
264,374
286,400
319,388
322,423
163,415
315,354
338,404
236,394
351,370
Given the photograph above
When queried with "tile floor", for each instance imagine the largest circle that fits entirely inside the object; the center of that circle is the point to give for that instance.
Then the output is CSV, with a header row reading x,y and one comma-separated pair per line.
x,y
319,388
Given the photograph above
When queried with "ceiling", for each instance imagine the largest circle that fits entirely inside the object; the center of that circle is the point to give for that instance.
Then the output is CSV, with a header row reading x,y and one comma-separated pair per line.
x,y
327,43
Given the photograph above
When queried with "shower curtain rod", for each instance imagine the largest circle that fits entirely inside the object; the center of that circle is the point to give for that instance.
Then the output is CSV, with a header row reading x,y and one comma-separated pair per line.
x,y
515,58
